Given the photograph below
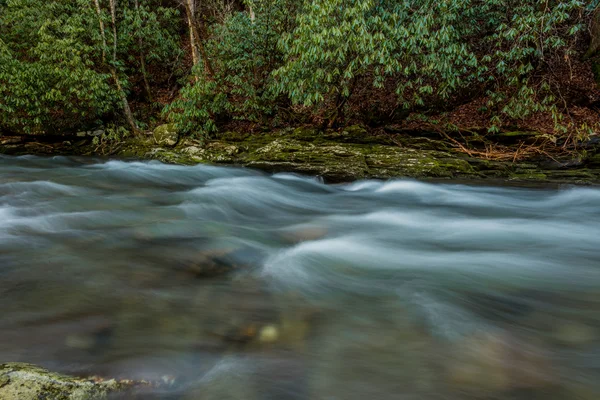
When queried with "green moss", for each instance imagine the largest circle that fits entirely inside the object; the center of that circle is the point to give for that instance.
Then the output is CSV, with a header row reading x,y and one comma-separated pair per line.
x,y
340,156
232,136
355,134
20,381
305,133
594,160
574,174
166,135
522,166
337,156
531,175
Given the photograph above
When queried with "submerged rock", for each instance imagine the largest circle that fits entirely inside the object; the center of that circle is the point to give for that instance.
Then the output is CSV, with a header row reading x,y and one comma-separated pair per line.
x,y
268,334
304,233
19,381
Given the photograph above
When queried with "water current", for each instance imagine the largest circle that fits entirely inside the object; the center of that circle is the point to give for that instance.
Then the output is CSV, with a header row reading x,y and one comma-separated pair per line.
x,y
228,283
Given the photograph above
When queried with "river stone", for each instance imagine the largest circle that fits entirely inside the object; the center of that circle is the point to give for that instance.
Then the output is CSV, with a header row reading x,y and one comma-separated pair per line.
x,y
192,150
166,135
19,381
304,233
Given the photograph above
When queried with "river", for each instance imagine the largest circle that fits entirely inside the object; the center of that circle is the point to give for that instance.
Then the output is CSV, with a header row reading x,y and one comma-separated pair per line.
x,y
228,283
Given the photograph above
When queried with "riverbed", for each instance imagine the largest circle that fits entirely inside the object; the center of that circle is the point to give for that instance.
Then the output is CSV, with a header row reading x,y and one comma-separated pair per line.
x,y
229,283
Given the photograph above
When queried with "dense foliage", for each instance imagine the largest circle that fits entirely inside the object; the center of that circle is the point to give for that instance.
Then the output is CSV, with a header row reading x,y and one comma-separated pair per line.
x,y
245,54
55,73
66,64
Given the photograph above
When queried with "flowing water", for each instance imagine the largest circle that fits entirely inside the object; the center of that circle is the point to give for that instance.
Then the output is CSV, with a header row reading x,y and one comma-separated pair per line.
x,y
225,283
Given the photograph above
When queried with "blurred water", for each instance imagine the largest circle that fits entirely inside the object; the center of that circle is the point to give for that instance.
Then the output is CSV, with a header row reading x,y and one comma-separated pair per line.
x,y
226,283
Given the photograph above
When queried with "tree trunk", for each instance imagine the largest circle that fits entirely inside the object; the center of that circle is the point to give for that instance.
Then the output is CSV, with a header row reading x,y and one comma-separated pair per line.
x,y
123,96
190,9
195,34
113,15
102,34
594,35
251,12
142,58
145,76
113,70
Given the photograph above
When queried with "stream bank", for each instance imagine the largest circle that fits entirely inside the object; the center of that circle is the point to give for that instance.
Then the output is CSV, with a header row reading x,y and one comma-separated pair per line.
x,y
337,156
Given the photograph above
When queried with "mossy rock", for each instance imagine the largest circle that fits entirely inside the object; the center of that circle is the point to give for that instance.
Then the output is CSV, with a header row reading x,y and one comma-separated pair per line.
x,y
20,381
305,134
166,135
355,134
232,136
338,156
348,161
594,160
528,176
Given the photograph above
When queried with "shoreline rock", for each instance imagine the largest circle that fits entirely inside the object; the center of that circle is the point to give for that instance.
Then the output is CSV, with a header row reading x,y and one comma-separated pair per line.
x,y
20,381
337,156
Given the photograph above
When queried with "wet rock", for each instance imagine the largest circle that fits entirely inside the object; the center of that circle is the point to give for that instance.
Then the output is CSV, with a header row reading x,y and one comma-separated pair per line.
x,y
20,381
336,156
304,233
222,151
218,262
528,176
295,328
268,334
192,150
4,140
339,162
305,133
351,134
166,135
594,160
562,164
238,313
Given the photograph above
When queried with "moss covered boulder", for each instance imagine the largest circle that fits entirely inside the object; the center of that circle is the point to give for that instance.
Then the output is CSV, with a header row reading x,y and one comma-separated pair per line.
x,y
323,155
166,135
20,381
353,153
